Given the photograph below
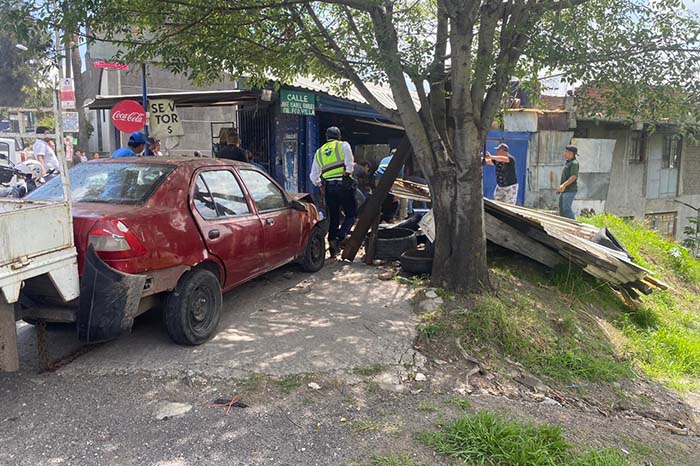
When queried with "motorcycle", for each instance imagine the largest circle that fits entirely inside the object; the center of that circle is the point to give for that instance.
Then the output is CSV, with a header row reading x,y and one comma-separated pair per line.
x,y
27,177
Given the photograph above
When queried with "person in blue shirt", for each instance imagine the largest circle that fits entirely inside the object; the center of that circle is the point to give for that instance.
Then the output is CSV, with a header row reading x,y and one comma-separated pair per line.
x,y
136,145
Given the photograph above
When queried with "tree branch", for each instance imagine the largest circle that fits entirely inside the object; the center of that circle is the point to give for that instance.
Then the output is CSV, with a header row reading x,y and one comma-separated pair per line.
x,y
344,68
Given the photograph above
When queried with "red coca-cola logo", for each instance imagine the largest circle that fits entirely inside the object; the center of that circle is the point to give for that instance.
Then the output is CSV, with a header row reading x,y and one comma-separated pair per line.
x,y
128,116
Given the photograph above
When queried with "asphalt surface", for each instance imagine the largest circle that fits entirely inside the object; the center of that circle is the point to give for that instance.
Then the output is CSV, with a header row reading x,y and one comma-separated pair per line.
x,y
100,407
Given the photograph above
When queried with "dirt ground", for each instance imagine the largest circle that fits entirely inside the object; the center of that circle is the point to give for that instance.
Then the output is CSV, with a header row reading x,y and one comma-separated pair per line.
x,y
279,334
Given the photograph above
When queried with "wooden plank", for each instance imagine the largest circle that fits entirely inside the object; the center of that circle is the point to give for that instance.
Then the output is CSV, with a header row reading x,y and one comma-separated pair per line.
x,y
9,356
372,244
510,238
373,206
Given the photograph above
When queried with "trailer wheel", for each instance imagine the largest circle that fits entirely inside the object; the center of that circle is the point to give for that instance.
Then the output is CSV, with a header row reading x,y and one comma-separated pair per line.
x,y
192,311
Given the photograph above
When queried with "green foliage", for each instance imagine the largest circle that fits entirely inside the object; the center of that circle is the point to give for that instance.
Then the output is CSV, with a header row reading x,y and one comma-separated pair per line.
x,y
692,236
489,439
650,249
664,332
654,65
369,371
520,331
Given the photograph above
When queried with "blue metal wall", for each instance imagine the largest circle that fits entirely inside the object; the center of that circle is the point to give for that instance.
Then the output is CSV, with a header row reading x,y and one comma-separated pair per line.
x,y
518,145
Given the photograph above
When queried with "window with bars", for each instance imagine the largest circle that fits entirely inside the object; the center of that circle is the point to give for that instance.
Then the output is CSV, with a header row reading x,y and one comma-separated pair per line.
x,y
671,154
637,148
664,223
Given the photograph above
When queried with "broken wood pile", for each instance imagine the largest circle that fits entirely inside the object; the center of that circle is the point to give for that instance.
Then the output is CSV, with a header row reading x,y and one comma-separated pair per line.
x,y
555,241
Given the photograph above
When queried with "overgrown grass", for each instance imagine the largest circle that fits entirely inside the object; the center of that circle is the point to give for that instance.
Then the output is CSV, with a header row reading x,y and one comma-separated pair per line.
x,y
489,439
521,331
650,249
664,333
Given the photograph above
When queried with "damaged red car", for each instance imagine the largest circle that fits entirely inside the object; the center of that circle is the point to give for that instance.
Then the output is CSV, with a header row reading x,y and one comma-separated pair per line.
x,y
176,233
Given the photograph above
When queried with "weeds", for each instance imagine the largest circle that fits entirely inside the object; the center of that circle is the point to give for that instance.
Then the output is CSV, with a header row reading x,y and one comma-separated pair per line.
x,y
487,438
521,332
369,371
393,460
427,407
362,427
462,403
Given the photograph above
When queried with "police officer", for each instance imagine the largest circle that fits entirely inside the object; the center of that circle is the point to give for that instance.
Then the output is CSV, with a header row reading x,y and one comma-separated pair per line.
x,y
331,171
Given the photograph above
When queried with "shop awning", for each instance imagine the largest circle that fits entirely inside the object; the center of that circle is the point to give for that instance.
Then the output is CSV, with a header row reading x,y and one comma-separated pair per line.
x,y
181,99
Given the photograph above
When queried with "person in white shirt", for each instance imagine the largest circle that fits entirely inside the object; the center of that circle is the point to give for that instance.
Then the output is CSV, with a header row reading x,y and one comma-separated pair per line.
x,y
331,171
44,153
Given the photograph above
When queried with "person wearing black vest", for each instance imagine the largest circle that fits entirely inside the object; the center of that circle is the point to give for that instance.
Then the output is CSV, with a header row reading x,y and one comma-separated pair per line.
x,y
506,178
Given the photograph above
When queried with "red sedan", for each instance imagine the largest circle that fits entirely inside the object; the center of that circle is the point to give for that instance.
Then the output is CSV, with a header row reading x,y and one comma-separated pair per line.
x,y
179,232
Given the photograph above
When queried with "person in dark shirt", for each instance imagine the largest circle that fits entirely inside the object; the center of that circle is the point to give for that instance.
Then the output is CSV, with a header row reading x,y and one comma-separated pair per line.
x,y
232,150
506,178
569,183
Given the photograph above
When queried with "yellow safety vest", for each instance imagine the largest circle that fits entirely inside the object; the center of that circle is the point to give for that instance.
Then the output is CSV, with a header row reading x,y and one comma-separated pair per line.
x,y
331,160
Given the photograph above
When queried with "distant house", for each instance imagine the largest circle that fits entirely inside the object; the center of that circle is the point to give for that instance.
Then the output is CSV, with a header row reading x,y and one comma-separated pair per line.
x,y
627,169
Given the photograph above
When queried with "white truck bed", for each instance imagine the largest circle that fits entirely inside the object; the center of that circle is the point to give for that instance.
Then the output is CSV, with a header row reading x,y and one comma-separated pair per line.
x,y
37,238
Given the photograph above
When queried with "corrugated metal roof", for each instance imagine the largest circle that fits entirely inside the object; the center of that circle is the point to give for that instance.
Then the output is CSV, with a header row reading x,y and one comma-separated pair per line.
x,y
382,93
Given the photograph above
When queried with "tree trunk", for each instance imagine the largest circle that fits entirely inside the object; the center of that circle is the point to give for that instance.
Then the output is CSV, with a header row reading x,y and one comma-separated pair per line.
x,y
76,65
460,243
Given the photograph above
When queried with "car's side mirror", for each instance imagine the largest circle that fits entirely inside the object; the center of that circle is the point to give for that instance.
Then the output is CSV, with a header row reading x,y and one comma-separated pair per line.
x,y
296,205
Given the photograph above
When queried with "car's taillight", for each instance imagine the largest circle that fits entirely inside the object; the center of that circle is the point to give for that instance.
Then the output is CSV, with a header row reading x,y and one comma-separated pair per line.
x,y
113,240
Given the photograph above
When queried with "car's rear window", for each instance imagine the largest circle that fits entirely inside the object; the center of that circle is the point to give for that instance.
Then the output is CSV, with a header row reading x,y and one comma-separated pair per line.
x,y
113,183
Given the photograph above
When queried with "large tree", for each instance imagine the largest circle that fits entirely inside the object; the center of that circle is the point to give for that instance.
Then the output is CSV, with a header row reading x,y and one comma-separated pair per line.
x,y
458,56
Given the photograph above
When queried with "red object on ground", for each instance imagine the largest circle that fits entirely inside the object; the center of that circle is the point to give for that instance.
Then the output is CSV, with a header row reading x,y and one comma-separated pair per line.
x,y
128,116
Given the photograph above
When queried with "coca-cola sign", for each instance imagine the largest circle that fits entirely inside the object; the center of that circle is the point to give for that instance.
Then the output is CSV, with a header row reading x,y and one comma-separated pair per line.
x,y
128,116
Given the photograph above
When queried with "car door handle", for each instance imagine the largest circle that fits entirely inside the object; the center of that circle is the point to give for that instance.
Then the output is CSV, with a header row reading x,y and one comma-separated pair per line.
x,y
213,234
270,221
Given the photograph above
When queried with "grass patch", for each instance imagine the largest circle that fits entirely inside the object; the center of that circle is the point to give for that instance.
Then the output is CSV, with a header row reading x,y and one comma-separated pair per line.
x,y
290,383
521,331
430,324
489,439
364,427
462,403
368,371
650,249
415,280
392,460
664,339
427,407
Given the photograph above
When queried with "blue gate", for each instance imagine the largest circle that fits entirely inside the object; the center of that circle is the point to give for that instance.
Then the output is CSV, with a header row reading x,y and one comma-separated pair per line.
x,y
518,145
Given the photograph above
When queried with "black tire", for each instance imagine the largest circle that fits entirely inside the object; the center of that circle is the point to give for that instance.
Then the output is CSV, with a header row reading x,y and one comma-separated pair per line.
x,y
392,242
193,309
314,256
417,261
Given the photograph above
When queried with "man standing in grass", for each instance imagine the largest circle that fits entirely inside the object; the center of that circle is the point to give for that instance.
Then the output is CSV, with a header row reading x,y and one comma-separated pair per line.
x,y
569,187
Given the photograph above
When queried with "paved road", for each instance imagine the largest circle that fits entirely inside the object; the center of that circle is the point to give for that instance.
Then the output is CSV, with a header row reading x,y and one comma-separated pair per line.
x,y
100,408
339,318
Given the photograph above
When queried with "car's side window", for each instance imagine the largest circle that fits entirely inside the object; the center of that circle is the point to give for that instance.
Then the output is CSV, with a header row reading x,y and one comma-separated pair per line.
x,y
265,193
217,193
203,201
226,192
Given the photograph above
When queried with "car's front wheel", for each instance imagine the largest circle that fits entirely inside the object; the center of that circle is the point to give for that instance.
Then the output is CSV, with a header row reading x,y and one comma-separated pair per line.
x,y
193,309
315,252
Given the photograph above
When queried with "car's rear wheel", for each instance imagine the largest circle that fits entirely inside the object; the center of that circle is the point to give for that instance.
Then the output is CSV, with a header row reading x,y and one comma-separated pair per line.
x,y
193,309
315,252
